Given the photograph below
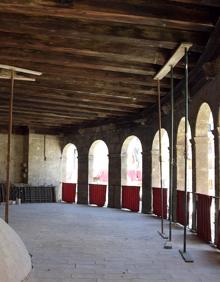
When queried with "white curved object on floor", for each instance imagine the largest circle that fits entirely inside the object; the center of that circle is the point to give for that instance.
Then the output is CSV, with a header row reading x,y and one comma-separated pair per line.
x,y
15,262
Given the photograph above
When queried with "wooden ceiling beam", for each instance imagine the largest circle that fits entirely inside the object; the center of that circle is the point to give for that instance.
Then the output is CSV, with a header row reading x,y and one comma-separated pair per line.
x,y
96,90
19,106
74,27
66,72
119,59
93,108
54,118
207,3
78,102
131,54
107,63
110,17
72,96
93,43
75,84
126,11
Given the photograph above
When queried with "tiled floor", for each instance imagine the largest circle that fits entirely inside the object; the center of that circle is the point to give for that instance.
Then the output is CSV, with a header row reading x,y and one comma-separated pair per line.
x,y
75,243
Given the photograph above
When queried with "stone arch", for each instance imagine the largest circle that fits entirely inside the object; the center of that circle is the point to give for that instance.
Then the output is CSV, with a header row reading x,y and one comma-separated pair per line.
x,y
180,150
98,173
131,174
131,161
204,141
98,163
165,159
205,157
180,164
69,164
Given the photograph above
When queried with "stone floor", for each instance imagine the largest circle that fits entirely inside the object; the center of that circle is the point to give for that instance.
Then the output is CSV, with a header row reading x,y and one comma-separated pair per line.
x,y
75,243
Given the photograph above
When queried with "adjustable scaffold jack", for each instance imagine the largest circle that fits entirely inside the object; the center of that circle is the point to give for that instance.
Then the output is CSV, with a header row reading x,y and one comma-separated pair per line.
x,y
161,232
12,73
181,51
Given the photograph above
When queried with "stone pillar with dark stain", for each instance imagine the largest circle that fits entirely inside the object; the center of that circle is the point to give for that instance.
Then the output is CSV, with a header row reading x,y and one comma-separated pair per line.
x,y
114,185
216,134
174,194
82,178
147,181
194,183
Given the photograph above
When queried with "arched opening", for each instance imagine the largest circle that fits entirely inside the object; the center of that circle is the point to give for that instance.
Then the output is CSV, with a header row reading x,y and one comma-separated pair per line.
x,y
180,151
131,174
205,164
98,173
69,173
156,182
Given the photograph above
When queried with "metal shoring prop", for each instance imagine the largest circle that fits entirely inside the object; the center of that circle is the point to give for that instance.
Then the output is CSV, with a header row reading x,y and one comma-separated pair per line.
x,y
161,232
185,255
168,244
10,118
12,71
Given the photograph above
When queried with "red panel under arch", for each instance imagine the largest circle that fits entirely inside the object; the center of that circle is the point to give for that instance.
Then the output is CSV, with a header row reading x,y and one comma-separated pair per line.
x,y
97,194
68,192
180,214
218,233
203,217
157,202
131,198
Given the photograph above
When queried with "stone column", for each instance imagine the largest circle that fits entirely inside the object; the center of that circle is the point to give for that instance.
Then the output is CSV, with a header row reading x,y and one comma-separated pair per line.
x,y
83,179
194,184
90,168
199,170
201,157
114,185
146,182
124,168
174,183
180,166
216,134
155,174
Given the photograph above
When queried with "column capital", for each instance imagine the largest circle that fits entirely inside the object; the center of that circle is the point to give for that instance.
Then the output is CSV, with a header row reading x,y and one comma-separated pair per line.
x,y
200,139
216,132
114,155
146,153
83,156
153,151
180,147
90,157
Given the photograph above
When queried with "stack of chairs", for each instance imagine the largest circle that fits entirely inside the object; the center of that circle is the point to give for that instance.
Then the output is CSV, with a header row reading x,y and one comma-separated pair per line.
x,y
30,194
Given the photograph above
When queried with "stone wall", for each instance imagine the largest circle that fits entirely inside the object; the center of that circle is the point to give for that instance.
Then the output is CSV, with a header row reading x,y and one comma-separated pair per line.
x,y
44,161
17,157
43,164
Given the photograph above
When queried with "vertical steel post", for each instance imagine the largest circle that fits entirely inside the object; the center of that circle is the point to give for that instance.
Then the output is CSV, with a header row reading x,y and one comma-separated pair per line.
x,y
186,149
168,244
10,119
160,162
184,252
171,158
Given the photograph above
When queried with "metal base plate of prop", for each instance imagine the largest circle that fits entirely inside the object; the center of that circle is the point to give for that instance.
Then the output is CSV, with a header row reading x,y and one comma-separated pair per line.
x,y
168,245
186,256
163,235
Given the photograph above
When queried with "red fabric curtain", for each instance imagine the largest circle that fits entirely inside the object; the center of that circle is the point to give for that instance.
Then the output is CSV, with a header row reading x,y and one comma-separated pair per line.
x,y
131,198
218,226
157,202
203,217
68,192
97,194
180,214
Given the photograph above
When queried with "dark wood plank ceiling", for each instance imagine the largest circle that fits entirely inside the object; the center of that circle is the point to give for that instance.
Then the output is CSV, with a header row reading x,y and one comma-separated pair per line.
x,y
98,58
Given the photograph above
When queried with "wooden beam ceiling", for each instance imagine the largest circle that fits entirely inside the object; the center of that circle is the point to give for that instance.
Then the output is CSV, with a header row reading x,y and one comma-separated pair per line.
x,y
98,58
